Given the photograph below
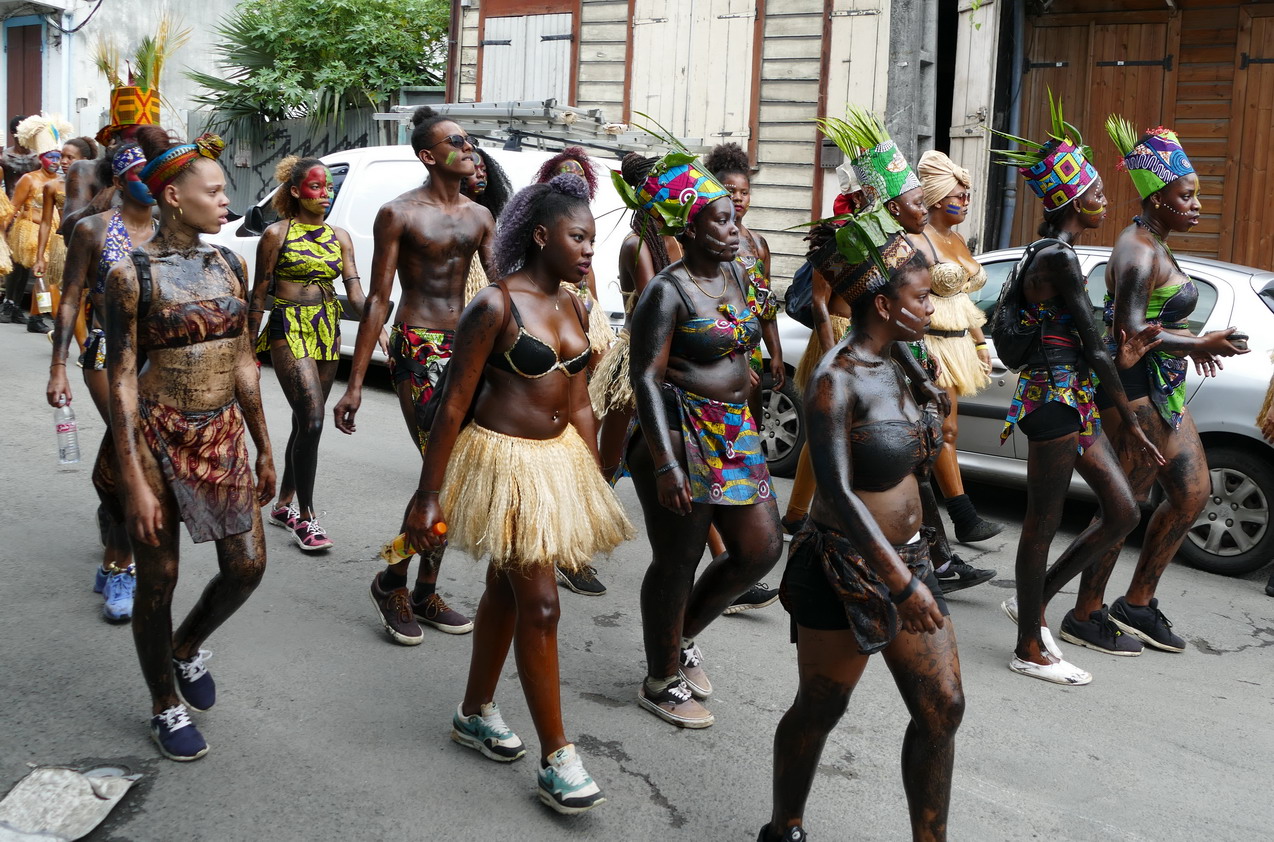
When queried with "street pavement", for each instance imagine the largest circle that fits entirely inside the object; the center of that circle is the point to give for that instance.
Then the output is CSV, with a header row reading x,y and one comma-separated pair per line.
x,y
326,730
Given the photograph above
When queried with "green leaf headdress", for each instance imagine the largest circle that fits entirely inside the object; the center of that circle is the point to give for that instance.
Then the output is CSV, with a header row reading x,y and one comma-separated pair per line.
x,y
1058,170
880,168
1153,160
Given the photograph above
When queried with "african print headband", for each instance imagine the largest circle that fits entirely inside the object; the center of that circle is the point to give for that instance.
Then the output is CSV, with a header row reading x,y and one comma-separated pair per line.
x,y
1058,170
674,192
162,171
128,157
876,164
884,173
1154,161
865,249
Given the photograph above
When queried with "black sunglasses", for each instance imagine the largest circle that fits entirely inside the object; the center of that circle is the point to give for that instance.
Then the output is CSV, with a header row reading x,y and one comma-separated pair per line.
x,y
457,140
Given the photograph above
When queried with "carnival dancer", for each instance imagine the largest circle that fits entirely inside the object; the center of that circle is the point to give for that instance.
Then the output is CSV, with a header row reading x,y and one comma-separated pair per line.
x,y
298,260
179,423
729,163
954,337
695,456
858,578
44,135
1054,405
428,237
96,245
16,160
522,487
50,262
488,186
1146,287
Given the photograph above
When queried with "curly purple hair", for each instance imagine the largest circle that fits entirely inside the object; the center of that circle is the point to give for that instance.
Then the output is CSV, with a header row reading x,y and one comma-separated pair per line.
x,y
539,204
553,166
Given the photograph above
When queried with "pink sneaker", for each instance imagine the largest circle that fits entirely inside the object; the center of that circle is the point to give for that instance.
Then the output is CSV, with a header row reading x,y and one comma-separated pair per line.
x,y
310,536
286,515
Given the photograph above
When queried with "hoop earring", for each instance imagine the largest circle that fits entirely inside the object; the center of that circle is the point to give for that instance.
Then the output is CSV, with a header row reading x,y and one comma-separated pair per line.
x,y
179,212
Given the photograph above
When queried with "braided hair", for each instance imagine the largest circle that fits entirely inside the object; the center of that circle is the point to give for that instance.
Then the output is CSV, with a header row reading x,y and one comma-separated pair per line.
x,y
634,169
539,204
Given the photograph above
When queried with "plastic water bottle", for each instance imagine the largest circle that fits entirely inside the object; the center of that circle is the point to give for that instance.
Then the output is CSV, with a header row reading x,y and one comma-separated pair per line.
x,y
68,435
398,549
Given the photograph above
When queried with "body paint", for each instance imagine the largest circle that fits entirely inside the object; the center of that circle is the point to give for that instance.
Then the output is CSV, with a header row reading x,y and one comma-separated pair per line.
x,y
312,198
51,160
954,210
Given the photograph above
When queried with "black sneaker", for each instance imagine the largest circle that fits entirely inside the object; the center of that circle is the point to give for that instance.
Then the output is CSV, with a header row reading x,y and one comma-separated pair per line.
x,y
1147,624
583,581
980,529
10,312
39,324
791,527
791,834
960,575
757,596
1099,633
6,312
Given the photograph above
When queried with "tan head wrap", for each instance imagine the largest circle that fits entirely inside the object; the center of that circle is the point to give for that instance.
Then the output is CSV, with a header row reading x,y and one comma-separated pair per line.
x,y
939,176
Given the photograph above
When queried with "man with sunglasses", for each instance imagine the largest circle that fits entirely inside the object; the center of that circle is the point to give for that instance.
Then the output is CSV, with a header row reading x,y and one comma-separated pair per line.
x,y
428,236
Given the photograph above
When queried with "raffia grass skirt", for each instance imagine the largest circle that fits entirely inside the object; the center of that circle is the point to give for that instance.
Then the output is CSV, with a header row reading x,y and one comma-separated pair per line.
x,y
24,236
56,265
6,258
476,281
610,389
530,503
814,352
1263,420
962,371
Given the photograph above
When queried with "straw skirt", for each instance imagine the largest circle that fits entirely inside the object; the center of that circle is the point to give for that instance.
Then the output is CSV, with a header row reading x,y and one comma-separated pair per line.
x,y
610,389
814,352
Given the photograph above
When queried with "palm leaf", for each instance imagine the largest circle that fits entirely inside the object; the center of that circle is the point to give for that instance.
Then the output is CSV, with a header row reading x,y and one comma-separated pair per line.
x,y
106,59
1123,133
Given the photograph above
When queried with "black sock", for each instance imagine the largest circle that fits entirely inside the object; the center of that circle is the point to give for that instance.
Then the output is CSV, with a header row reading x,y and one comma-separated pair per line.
x,y
423,591
961,510
390,581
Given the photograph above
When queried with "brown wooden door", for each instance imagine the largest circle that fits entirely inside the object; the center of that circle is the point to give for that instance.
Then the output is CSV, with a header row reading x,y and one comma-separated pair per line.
x,y
25,90
1251,236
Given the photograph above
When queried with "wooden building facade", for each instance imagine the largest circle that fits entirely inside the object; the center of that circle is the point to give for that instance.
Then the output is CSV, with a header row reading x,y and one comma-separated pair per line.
x,y
1204,69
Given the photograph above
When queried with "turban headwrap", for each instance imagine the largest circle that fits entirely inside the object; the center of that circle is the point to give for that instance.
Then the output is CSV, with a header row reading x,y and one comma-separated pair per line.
x,y
939,176
126,159
162,171
1154,161
677,188
1058,170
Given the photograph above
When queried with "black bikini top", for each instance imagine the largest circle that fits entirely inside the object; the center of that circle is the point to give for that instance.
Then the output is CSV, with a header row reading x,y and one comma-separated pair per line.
x,y
532,357
883,453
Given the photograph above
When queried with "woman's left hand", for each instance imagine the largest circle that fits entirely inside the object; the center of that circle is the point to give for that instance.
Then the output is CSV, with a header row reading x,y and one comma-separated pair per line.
x,y
778,374
984,357
423,516
674,490
933,393
754,379
265,478
1146,445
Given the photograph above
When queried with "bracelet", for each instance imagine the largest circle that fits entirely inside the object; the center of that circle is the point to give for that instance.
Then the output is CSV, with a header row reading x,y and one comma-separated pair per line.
x,y
53,364
666,467
429,491
350,278
904,594
979,346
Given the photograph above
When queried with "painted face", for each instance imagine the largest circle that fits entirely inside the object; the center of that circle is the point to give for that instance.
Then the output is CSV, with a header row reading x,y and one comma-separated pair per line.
x,y
200,193
740,189
316,190
446,154
1092,205
910,211
955,206
1180,200
716,232
476,184
51,160
136,189
910,312
567,249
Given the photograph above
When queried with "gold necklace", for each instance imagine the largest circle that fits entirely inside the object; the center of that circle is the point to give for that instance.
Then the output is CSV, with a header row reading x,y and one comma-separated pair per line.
x,y
699,286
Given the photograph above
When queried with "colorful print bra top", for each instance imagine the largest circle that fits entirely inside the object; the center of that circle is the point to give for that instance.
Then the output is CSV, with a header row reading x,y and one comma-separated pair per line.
x,y
705,339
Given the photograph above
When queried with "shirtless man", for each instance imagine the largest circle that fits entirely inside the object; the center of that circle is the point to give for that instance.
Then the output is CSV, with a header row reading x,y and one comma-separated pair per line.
x,y
428,236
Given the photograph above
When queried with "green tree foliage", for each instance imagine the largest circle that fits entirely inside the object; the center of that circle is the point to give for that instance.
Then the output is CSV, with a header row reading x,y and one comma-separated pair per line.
x,y
313,58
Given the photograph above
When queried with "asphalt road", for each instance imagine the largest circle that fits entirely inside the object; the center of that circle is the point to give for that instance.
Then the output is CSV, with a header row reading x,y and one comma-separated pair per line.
x,y
325,730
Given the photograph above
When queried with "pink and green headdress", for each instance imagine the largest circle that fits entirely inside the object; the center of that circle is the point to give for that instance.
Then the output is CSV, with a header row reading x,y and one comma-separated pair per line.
x,y
1058,170
676,189
1153,160
882,171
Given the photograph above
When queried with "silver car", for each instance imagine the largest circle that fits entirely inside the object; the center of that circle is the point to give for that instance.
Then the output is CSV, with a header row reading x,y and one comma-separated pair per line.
x,y
1234,534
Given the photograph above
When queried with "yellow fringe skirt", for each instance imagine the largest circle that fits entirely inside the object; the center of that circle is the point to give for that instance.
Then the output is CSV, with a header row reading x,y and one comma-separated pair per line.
x,y
530,503
814,352
56,265
962,371
610,389
24,236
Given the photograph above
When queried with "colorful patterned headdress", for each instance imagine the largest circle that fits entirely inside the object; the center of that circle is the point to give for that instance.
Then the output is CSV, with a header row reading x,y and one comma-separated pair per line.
x,y
1057,171
878,164
162,171
43,132
677,188
1154,161
126,159
135,101
864,251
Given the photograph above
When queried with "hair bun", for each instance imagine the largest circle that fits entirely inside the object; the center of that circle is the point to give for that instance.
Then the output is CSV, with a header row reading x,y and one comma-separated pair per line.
x,y
210,145
422,114
569,184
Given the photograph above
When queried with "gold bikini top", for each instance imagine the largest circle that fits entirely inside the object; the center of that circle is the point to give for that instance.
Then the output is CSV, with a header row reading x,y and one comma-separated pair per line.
x,y
947,279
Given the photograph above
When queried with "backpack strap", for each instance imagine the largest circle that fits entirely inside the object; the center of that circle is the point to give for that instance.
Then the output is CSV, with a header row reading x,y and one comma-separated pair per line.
x,y
145,284
236,265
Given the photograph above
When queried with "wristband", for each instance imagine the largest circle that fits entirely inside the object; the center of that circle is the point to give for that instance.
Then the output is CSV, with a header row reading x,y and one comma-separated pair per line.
x,y
979,346
428,491
53,364
904,594
665,468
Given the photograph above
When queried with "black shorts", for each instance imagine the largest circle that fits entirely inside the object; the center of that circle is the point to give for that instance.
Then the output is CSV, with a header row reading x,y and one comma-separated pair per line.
x,y
1050,421
1136,383
811,602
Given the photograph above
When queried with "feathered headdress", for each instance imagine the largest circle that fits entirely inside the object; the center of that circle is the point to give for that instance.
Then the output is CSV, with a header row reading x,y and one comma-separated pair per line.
x,y
1058,170
1153,160
43,132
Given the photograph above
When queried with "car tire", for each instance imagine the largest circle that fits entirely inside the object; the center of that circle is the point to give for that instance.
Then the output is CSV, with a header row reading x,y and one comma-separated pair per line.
x,y
1234,535
782,426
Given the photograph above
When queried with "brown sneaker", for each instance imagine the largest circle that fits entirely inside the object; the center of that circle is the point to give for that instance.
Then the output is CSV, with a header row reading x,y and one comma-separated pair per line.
x,y
394,609
435,611
692,672
675,704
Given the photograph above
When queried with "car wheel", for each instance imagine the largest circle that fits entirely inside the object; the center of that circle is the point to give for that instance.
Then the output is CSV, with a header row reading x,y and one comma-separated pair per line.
x,y
1234,535
782,426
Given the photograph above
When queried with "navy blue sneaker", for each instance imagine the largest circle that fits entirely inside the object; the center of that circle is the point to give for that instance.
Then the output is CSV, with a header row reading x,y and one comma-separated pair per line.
x,y
176,736
99,580
117,605
194,683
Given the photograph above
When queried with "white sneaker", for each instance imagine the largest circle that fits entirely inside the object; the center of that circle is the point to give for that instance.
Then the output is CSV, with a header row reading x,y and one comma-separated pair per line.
x,y
1009,607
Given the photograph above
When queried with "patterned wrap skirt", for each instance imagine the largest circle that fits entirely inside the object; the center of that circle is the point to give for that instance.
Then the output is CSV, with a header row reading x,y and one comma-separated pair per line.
x,y
724,460
418,355
1062,383
311,330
